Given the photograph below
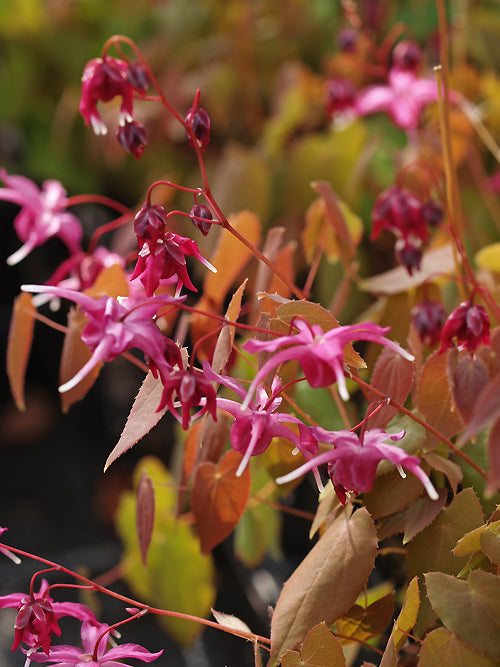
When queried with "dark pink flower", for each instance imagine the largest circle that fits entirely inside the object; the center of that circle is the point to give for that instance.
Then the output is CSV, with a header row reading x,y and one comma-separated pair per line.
x,y
131,136
353,461
320,354
428,318
340,94
199,122
398,211
190,389
102,80
43,214
407,56
38,615
94,652
116,326
403,98
409,252
467,327
256,425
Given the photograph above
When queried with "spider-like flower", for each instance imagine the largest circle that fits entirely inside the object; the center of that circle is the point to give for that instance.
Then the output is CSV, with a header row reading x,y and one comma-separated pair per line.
x,y
320,354
353,461
94,652
116,326
43,214
38,615
192,390
468,326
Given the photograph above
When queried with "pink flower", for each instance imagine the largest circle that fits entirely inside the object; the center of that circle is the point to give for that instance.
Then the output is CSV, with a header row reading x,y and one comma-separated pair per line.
x,y
106,78
38,615
94,653
468,326
321,354
257,424
353,461
42,214
192,390
116,326
403,99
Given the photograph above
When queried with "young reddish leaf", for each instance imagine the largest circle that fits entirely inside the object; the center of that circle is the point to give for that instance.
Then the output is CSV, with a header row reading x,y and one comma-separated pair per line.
x,y
494,459
442,647
407,616
327,582
486,409
393,374
224,345
74,355
328,505
468,378
435,400
19,346
145,514
470,609
218,499
392,493
285,265
452,471
422,513
320,649
231,256
143,416
362,623
490,546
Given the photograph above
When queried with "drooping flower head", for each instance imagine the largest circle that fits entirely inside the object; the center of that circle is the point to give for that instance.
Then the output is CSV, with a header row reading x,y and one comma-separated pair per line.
x,y
192,390
106,78
43,214
94,652
116,326
398,211
38,615
320,354
467,327
428,318
353,460
131,136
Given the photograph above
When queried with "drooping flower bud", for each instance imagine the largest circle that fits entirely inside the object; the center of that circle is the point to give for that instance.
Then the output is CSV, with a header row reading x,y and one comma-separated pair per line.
x,y
347,40
409,253
400,212
428,318
340,95
432,213
138,77
132,137
149,223
199,122
468,326
201,211
407,56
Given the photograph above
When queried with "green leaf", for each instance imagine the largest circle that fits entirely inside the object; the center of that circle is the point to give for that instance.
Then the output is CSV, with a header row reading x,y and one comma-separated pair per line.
x,y
470,609
432,549
327,582
178,577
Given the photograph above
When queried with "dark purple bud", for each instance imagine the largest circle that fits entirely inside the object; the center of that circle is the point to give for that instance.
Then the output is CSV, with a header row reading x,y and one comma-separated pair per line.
x,y
199,121
339,95
347,39
137,76
150,222
428,318
132,137
432,213
407,55
201,211
468,326
409,253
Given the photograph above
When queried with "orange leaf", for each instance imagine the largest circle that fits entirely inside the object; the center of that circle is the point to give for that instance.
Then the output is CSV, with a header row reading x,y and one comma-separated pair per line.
x,y
219,498
320,649
19,346
231,256
111,281
225,341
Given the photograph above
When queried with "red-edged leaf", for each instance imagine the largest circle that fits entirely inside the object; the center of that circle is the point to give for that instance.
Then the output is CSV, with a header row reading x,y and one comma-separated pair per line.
x,y
75,354
143,416
452,470
422,513
145,514
435,401
468,379
327,582
486,409
225,341
494,458
320,649
393,374
219,498
19,346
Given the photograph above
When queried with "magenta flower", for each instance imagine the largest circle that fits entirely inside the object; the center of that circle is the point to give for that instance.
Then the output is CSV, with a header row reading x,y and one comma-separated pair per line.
x,y
403,99
7,552
116,326
353,461
428,318
42,214
106,78
192,390
468,326
38,615
321,354
94,653
257,424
